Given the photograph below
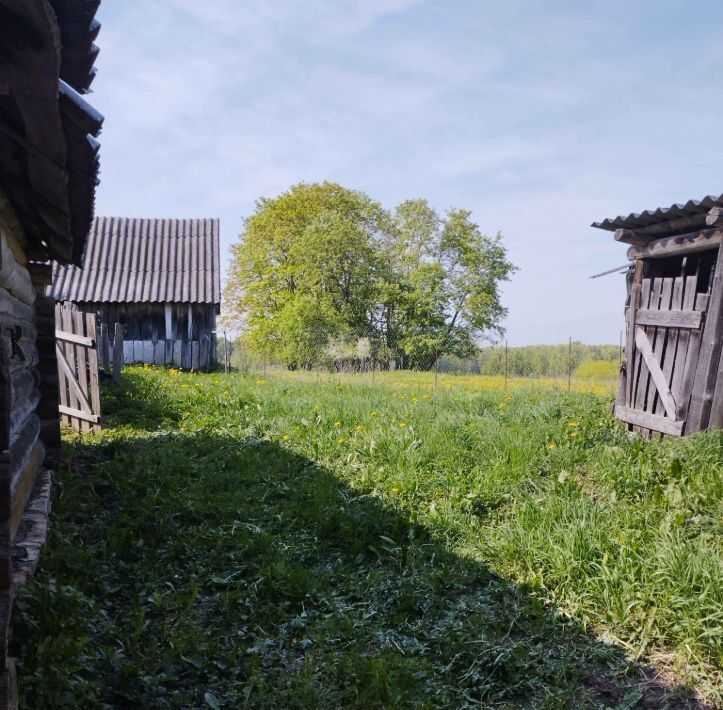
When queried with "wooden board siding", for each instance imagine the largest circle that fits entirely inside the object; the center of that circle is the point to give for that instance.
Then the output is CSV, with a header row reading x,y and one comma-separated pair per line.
x,y
666,319
147,325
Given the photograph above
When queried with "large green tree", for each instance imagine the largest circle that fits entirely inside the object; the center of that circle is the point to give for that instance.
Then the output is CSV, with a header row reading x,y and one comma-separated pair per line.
x,y
322,265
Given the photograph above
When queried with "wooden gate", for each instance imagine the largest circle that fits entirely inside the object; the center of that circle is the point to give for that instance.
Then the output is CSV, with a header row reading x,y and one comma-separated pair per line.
x,y
665,319
78,382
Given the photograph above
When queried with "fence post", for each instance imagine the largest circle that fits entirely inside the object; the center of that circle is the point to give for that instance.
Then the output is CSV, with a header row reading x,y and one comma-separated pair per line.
x,y
506,364
225,353
118,351
569,365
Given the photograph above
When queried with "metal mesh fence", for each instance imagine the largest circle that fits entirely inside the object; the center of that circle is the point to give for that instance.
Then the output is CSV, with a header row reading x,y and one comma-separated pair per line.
x,y
581,354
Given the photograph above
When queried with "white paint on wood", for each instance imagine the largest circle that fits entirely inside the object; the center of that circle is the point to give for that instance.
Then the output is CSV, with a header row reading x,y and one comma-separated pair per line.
x,y
147,350
169,321
128,352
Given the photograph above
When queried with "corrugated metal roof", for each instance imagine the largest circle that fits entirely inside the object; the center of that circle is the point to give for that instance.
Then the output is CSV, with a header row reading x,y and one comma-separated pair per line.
x,y
661,214
144,260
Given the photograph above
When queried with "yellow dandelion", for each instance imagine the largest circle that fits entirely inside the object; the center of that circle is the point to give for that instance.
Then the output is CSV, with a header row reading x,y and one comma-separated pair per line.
x,y
358,427
572,423
394,490
573,433
373,413
552,446
402,424
340,440
337,423
285,437
260,382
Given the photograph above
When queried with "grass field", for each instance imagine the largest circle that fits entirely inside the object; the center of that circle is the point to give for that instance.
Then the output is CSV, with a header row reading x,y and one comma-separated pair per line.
x,y
235,541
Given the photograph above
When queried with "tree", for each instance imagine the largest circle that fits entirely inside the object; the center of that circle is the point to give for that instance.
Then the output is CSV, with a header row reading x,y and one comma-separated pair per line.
x,y
322,268
305,268
446,294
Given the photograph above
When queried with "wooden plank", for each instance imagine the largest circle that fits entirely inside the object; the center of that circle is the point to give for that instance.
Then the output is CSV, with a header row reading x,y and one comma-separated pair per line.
x,y
646,350
159,352
93,376
118,350
79,414
630,236
650,421
689,358
628,373
708,356
177,352
67,374
660,340
147,351
81,357
671,348
22,484
669,319
679,245
73,386
195,360
642,376
75,338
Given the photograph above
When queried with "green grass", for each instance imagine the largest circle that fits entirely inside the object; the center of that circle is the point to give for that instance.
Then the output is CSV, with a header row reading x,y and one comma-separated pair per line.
x,y
235,542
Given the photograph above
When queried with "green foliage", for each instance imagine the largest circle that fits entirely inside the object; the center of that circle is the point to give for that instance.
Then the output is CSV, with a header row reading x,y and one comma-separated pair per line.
x,y
544,361
321,264
235,542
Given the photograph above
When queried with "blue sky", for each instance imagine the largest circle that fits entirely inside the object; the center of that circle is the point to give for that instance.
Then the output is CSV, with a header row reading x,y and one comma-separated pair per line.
x,y
540,117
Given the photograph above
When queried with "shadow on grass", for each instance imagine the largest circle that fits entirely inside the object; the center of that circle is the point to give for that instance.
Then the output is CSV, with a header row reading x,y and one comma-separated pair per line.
x,y
200,570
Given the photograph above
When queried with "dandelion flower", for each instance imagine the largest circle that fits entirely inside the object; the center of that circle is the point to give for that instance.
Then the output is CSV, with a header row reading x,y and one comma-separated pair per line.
x,y
373,413
573,433
402,424
552,446
358,427
285,437
340,440
395,490
337,423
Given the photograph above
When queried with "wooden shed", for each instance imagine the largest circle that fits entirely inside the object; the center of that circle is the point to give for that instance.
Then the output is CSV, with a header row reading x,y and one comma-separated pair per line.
x,y
159,278
48,174
671,381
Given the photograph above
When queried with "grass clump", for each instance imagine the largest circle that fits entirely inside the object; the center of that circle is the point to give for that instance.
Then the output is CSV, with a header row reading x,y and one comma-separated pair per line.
x,y
234,541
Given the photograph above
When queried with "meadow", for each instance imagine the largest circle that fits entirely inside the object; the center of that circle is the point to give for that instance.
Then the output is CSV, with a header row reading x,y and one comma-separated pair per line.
x,y
301,541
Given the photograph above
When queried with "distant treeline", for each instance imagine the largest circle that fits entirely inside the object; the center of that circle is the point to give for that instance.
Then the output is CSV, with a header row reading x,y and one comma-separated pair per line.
x,y
539,361
601,361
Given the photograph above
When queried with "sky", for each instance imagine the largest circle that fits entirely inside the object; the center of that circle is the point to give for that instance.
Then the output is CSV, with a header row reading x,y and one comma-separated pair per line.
x,y
539,116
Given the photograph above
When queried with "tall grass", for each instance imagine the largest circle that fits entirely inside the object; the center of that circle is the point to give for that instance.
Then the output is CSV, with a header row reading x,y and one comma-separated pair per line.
x,y
377,544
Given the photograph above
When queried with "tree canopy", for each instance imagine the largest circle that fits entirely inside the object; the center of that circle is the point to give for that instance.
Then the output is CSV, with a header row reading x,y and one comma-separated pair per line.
x,y
323,272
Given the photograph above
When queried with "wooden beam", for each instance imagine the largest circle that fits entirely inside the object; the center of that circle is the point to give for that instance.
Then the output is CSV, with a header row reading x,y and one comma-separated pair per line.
x,y
677,246
630,236
669,319
73,338
79,414
656,373
648,420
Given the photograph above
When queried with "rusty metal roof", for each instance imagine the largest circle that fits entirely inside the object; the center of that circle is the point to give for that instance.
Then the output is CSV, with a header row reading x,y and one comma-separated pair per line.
x,y
661,214
144,260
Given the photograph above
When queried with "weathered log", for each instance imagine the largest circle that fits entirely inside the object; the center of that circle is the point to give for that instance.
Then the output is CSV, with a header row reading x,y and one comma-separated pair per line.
x,y
677,246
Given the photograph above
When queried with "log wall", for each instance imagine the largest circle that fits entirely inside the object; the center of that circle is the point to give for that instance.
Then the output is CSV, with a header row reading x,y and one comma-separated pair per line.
x,y
24,484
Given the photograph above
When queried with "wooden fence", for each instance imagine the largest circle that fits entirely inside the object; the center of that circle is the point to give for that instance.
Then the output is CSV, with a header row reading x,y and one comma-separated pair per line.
x,y
78,379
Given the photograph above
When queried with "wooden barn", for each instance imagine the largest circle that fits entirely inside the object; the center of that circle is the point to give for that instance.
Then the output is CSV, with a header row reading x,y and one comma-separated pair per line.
x,y
48,174
159,278
672,377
